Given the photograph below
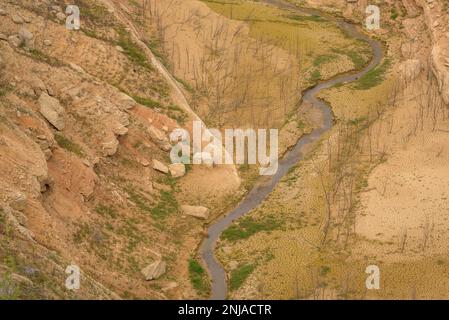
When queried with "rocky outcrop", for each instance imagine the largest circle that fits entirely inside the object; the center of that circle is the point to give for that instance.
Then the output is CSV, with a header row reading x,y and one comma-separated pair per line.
x,y
159,166
14,41
110,147
177,170
26,38
17,19
195,211
159,138
154,270
125,102
52,110
60,16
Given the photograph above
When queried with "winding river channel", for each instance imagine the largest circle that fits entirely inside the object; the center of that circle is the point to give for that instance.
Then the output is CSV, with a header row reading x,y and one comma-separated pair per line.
x,y
266,184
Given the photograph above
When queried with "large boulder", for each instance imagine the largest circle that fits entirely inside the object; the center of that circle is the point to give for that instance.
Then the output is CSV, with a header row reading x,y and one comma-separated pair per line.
x,y
154,270
159,138
119,129
110,147
52,110
26,38
159,166
17,19
177,170
195,211
60,16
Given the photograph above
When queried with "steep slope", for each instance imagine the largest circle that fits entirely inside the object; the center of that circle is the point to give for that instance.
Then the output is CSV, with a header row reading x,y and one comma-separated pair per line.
x,y
83,116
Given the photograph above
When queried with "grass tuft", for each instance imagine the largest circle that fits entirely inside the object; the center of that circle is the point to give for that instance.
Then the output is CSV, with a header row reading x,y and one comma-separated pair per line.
x,y
247,227
132,50
374,77
106,211
68,145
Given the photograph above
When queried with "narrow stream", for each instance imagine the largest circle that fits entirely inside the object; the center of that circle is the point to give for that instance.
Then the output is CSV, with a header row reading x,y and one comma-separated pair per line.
x,y
266,184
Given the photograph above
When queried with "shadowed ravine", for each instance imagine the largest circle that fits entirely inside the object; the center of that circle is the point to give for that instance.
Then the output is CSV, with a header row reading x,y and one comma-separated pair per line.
x,y
266,184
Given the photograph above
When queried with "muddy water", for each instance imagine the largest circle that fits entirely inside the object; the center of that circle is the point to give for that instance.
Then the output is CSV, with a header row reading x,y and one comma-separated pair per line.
x,y
266,184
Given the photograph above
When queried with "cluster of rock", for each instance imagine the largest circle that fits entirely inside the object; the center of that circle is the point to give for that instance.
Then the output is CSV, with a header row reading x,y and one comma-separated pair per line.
x,y
58,13
24,38
159,138
176,170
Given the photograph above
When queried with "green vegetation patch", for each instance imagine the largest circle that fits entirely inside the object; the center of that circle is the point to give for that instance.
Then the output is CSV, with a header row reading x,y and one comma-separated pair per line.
x,y
394,14
312,17
147,102
321,59
248,226
140,201
132,50
155,46
198,277
315,75
106,211
69,145
175,112
357,59
95,13
167,205
239,275
4,89
186,85
374,77
43,57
